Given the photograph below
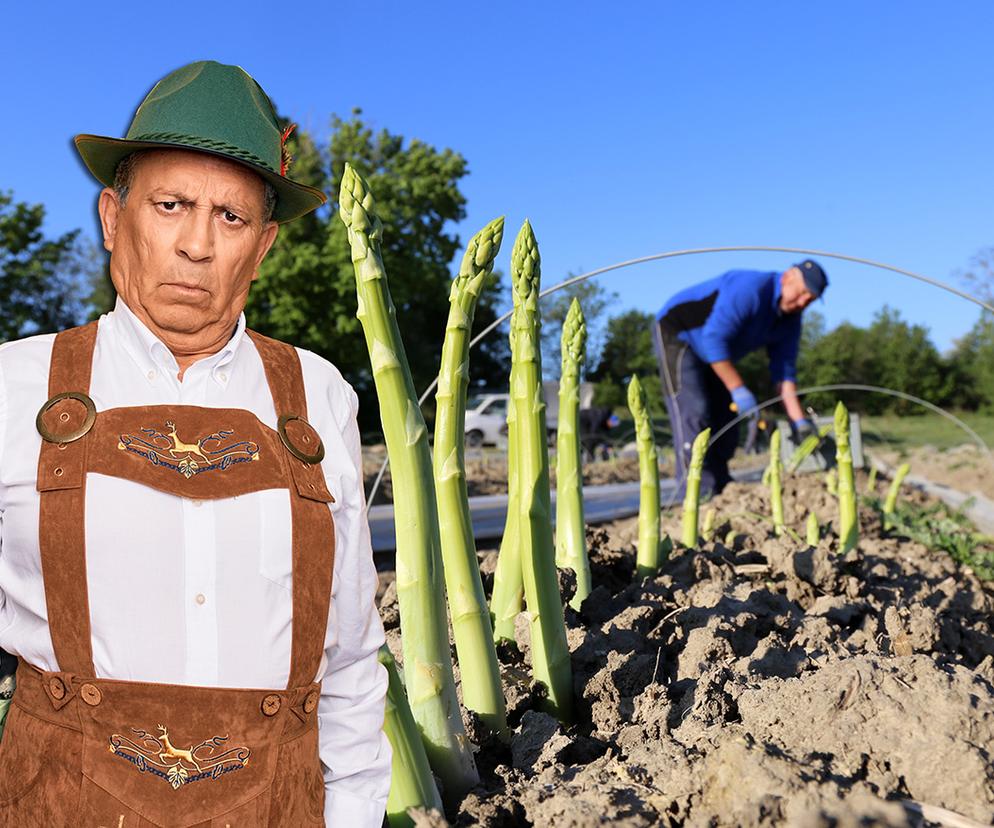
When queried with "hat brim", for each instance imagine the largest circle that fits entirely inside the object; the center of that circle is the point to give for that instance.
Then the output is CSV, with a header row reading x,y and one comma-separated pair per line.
x,y
102,155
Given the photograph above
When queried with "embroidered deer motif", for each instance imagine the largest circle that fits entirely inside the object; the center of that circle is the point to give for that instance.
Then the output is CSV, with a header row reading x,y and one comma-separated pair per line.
x,y
180,448
173,753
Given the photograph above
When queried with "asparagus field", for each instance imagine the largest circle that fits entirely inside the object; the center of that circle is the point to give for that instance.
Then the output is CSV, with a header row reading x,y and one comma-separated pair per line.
x,y
745,677
756,681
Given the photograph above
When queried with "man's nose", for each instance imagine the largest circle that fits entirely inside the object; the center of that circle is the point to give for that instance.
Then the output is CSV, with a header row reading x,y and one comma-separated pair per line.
x,y
196,241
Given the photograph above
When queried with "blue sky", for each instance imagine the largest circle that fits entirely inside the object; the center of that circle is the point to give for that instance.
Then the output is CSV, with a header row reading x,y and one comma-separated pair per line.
x,y
863,128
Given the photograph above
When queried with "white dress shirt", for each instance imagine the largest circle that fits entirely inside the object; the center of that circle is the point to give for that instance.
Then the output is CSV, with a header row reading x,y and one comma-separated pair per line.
x,y
199,592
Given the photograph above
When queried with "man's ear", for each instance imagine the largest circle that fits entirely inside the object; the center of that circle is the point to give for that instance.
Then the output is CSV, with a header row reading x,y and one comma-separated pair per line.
x,y
266,239
109,208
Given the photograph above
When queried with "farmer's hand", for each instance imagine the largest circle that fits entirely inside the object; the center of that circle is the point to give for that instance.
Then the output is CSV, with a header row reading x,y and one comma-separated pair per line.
x,y
802,428
744,400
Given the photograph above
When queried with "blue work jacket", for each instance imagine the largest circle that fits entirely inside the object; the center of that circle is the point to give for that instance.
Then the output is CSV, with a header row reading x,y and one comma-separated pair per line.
x,y
733,314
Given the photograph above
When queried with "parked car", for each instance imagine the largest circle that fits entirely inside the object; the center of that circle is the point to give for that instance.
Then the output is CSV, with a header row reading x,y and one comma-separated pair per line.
x,y
486,417
486,413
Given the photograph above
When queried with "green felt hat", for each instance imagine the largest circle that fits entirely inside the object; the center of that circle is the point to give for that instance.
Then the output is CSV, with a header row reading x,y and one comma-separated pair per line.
x,y
212,108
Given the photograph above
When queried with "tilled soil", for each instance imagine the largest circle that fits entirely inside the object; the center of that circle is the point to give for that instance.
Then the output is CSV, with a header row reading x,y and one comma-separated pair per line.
x,y
965,467
757,681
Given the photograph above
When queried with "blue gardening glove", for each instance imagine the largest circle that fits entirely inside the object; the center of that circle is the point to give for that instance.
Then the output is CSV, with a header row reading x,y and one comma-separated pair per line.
x,y
802,428
745,401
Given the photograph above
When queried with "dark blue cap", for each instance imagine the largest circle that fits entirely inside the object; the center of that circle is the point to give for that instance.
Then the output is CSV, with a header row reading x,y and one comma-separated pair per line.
x,y
814,277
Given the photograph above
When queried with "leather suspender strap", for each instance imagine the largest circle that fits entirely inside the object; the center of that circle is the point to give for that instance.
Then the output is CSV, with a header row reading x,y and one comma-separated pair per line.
x,y
313,528
62,492
62,466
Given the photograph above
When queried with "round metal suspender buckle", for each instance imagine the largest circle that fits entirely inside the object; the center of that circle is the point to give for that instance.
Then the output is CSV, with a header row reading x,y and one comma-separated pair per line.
x,y
73,433
307,435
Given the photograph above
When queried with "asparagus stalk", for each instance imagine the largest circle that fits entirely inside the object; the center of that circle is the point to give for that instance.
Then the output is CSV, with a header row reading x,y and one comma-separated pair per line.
x,y
776,490
420,587
509,588
693,495
411,782
832,481
848,523
471,626
891,501
550,652
807,446
571,540
707,530
647,559
871,481
814,530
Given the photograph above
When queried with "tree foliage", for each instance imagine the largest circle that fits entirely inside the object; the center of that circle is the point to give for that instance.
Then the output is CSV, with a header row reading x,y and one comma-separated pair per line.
x,y
972,366
628,350
890,353
40,278
594,301
306,293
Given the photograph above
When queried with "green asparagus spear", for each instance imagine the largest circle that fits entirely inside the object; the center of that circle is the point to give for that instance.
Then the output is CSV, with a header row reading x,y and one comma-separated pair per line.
x,y
509,588
411,782
693,495
420,584
571,540
832,481
471,626
848,521
647,560
550,652
776,490
707,530
890,504
814,530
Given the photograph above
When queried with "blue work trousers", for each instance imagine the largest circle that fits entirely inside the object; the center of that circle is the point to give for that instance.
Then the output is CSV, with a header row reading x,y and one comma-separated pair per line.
x,y
695,399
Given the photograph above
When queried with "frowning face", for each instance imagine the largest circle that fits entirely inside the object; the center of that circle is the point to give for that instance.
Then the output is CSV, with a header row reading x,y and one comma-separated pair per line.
x,y
185,246
794,293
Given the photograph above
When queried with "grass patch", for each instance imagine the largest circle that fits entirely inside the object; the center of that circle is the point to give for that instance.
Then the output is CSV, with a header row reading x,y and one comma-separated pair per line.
x,y
942,529
928,429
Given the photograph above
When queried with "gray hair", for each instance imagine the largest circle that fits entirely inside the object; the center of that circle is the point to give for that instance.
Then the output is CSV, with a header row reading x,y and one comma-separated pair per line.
x,y
125,173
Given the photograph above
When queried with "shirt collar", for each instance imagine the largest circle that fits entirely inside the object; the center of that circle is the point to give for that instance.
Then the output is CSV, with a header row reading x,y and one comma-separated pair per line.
x,y
152,355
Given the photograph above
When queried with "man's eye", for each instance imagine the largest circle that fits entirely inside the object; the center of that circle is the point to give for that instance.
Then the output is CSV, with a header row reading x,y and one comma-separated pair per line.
x,y
231,218
168,206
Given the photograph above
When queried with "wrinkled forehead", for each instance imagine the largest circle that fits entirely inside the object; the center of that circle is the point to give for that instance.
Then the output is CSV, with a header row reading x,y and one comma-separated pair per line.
x,y
195,171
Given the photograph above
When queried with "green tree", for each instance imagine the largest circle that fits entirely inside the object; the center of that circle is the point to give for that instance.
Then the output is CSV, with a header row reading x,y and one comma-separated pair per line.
x,y
890,353
905,359
594,300
971,365
628,350
306,294
838,356
40,278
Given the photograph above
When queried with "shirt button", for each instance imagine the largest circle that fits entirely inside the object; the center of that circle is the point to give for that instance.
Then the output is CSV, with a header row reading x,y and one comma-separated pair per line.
x,y
151,375
201,598
197,503
222,376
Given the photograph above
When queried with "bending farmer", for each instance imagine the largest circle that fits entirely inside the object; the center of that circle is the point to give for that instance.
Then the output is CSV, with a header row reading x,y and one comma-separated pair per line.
x,y
704,330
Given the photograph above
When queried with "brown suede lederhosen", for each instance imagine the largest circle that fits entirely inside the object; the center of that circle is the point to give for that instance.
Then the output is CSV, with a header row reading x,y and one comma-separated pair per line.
x,y
100,753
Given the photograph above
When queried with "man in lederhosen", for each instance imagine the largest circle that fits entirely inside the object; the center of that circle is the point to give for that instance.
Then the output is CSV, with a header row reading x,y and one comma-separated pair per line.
x,y
186,571
701,333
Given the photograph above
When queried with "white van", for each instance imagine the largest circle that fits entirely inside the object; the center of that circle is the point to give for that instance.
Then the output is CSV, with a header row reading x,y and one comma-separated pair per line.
x,y
486,413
